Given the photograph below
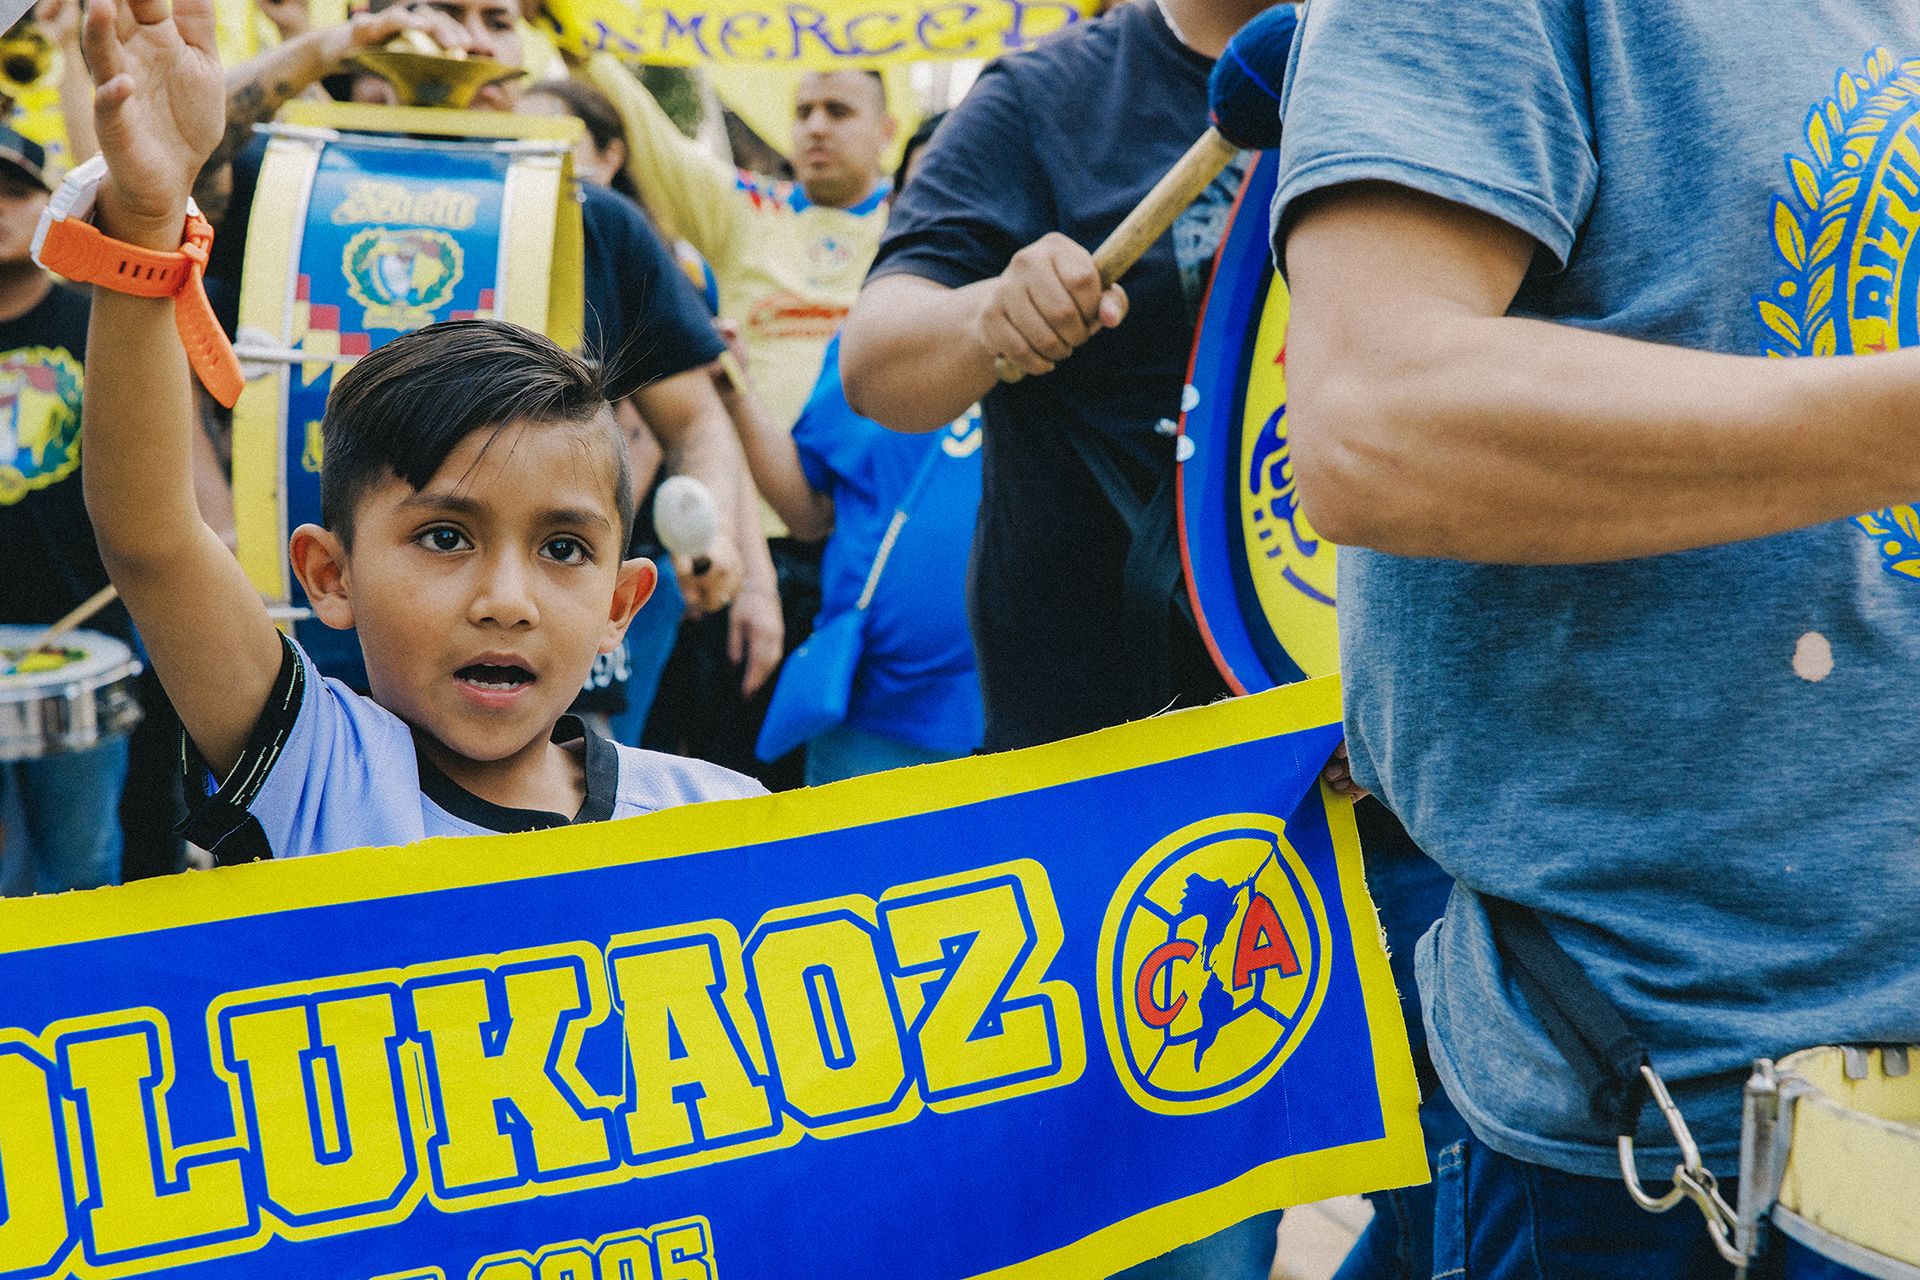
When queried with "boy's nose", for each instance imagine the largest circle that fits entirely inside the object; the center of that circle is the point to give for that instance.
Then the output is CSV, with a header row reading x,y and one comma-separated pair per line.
x,y
505,598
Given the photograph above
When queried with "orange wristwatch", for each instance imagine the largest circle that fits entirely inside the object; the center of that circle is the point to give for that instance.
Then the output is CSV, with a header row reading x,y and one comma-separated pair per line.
x,y
67,243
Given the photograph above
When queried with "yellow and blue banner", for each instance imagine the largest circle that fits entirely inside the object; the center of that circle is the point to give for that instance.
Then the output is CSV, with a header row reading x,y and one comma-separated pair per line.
x,y
1260,578
820,35
1045,1014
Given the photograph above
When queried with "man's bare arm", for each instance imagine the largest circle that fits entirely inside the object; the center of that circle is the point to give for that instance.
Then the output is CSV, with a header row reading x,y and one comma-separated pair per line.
x,y
1426,422
775,463
262,85
915,355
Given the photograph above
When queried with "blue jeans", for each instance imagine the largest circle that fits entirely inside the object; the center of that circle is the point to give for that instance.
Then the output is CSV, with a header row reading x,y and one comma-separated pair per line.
x,y
62,815
1497,1218
847,752
1410,891
1241,1252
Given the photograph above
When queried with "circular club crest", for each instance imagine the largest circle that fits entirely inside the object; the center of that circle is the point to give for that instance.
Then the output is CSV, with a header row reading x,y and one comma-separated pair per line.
x,y
1848,279
1260,579
402,275
1215,964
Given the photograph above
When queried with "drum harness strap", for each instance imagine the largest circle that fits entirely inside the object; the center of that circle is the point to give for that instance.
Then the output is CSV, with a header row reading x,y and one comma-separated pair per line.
x,y
1611,1063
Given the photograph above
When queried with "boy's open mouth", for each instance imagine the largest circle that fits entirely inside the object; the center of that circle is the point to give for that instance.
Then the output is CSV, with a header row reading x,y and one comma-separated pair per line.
x,y
490,675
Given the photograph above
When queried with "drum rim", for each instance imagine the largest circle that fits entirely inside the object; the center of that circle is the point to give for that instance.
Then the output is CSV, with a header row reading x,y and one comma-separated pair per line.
x,y
1833,1248
1806,1091
109,659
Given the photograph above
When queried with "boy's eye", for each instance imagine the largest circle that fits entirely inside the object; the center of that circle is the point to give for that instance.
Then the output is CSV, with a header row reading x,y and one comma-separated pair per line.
x,y
567,550
443,540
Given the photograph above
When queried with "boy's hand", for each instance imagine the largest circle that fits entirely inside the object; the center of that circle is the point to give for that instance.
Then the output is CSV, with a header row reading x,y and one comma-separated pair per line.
x,y
159,108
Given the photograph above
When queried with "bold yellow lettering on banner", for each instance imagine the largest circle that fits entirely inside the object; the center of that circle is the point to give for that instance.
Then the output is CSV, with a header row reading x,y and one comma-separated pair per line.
x,y
505,1269
123,1075
326,1116
981,943
519,1059
627,1256
830,1024
571,1262
685,1251
693,1083
33,1210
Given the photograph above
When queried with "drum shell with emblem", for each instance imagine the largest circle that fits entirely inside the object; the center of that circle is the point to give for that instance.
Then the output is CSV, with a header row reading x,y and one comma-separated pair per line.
x,y
1259,578
73,708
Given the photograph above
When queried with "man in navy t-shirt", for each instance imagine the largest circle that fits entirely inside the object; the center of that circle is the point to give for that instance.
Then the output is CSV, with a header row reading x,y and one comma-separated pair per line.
x,y
1013,189
987,255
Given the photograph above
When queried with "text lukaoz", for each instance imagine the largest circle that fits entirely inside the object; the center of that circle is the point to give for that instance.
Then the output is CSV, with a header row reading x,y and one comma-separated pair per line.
x,y
464,1083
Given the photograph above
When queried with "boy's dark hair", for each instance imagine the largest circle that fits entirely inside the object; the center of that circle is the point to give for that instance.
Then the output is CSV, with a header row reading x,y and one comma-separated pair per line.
x,y
409,404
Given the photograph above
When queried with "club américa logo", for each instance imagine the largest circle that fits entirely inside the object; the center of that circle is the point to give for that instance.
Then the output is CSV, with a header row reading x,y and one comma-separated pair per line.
x,y
1844,239
1214,964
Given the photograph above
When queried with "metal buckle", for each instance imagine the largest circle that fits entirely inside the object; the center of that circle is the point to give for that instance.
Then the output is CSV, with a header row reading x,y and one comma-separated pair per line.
x,y
1692,1180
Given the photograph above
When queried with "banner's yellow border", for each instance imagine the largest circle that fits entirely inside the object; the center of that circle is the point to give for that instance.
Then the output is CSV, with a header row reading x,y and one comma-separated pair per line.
x,y
361,875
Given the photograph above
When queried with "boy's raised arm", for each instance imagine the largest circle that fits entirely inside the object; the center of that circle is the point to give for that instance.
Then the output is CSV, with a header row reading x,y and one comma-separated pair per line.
x,y
159,110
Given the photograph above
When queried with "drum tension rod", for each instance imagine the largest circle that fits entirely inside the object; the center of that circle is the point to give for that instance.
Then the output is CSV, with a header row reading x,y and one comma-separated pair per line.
x,y
1692,1180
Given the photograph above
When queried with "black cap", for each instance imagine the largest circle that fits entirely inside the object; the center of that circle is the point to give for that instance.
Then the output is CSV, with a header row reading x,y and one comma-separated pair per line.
x,y
25,156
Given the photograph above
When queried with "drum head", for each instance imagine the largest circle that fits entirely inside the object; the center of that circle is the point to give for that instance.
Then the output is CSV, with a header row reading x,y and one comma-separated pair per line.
x,y
83,657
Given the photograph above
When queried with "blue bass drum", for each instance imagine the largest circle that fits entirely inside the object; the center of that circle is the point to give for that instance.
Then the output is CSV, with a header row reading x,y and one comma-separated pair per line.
x,y
1260,579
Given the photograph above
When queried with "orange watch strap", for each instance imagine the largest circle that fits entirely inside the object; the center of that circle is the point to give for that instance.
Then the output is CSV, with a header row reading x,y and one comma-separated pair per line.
x,y
79,251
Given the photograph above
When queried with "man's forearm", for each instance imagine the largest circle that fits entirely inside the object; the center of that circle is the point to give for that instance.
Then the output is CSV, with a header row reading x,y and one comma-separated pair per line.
x,y
774,462
686,416
1520,442
260,86
909,356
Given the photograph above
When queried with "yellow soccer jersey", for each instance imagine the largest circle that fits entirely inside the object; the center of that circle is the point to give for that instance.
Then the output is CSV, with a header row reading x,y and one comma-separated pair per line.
x,y
788,269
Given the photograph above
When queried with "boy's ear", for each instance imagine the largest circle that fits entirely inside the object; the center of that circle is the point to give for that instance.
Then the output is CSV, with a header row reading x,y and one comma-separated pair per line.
x,y
636,582
320,562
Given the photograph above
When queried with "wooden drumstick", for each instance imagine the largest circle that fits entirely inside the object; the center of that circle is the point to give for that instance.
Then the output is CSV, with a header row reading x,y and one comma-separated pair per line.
x,y
1244,97
68,622
1174,194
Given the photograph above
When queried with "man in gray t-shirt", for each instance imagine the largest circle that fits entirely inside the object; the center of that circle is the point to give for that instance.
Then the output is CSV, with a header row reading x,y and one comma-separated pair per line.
x,y
1631,642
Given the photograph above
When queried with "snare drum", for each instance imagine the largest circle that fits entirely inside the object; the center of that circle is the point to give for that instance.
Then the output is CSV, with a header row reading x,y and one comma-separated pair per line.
x,y
1830,1164
77,697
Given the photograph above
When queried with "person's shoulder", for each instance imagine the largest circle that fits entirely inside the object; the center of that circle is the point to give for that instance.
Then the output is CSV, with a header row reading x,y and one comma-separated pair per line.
x,y
768,195
654,780
1087,47
605,212
62,319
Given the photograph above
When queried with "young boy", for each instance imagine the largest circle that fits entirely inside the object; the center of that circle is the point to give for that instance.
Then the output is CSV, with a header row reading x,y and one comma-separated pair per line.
x,y
476,503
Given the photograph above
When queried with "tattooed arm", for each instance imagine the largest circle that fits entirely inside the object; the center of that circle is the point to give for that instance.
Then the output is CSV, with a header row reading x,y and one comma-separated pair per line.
x,y
261,86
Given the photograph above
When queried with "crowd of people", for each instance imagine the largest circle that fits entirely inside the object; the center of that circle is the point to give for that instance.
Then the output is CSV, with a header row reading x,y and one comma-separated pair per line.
x,y
1586,530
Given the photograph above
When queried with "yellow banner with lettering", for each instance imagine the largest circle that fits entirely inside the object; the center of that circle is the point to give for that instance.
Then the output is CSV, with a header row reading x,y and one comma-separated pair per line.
x,y
822,35
1034,1016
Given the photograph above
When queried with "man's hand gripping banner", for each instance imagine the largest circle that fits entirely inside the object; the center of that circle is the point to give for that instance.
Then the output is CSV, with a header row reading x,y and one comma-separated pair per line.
x,y
1043,1014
